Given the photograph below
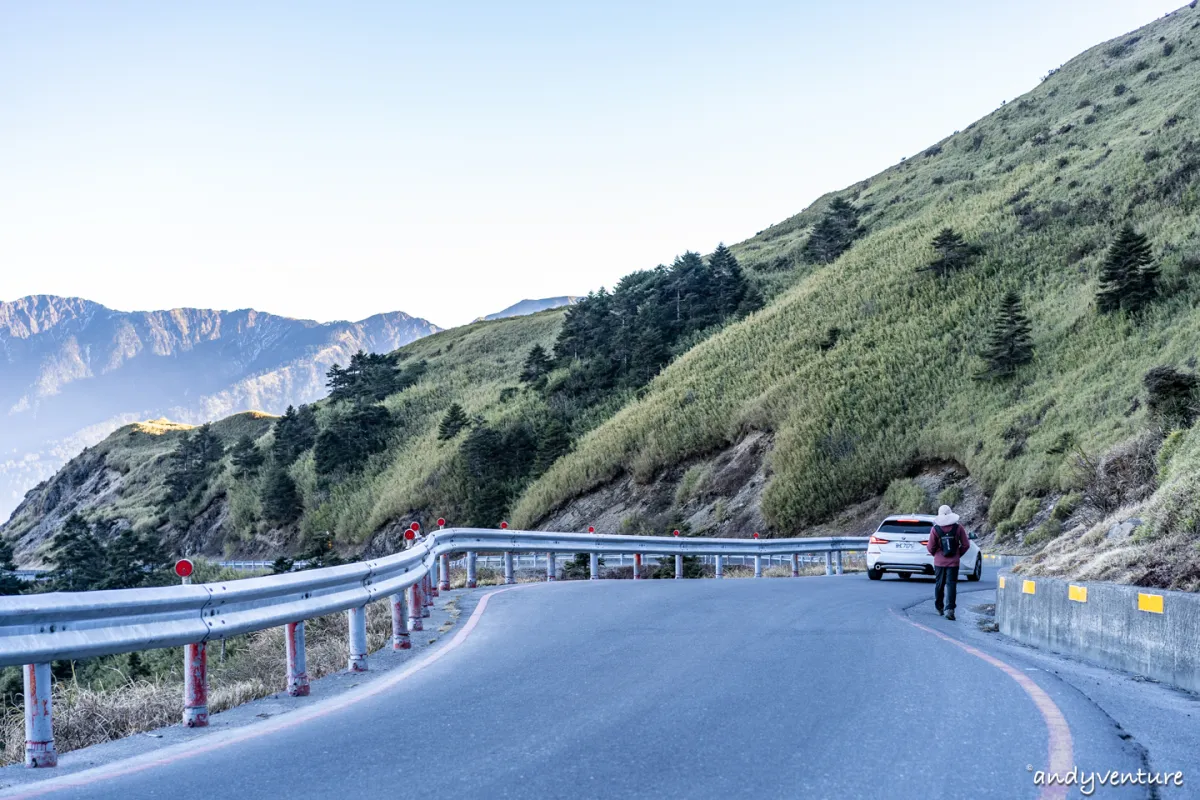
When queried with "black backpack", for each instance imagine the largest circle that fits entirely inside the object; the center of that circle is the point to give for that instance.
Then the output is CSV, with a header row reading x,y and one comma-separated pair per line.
x,y
948,540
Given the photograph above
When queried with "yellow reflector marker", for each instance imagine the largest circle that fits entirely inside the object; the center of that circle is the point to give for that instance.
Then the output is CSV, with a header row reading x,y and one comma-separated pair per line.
x,y
1028,587
1150,602
1001,581
1077,593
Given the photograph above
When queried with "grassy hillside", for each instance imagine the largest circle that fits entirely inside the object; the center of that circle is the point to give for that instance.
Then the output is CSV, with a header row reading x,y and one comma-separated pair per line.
x,y
1041,187
471,366
121,479
860,369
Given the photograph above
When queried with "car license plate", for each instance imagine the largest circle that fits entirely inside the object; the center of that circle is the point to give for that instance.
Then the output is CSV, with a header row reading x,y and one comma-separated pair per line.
x,y
904,545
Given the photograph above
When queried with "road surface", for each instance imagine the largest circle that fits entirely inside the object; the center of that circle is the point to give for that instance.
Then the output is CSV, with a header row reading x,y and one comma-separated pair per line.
x,y
817,687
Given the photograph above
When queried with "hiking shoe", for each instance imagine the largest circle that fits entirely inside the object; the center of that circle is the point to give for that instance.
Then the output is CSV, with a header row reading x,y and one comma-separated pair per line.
x,y
950,614
940,612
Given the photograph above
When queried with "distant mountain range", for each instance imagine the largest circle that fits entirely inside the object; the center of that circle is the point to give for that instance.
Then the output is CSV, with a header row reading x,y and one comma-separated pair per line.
x,y
72,371
532,307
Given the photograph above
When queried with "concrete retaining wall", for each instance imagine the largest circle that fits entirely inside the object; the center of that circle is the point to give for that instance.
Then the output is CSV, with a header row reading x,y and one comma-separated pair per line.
x,y
1149,632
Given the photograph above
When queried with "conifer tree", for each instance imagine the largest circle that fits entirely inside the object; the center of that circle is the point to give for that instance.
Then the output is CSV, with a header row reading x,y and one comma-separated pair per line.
x,y
76,557
952,253
280,499
834,233
9,583
1009,345
351,438
192,460
1129,275
247,458
295,432
132,561
453,422
537,364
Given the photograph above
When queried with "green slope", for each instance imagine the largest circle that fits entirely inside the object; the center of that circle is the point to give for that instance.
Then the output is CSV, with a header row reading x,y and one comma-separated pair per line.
x,y
861,369
1041,185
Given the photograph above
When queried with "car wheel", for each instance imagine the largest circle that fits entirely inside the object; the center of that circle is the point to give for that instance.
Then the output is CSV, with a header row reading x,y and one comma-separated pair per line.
x,y
903,575
977,573
874,574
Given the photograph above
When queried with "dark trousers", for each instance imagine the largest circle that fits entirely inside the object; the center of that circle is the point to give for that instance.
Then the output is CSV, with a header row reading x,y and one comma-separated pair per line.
x,y
947,584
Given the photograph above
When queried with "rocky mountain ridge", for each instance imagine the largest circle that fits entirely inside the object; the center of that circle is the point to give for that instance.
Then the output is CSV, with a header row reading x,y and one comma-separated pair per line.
x,y
72,371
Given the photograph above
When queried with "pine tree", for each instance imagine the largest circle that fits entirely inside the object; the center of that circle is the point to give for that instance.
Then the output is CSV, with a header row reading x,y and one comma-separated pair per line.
x,y
280,499
295,432
453,422
553,441
952,253
1129,275
9,583
834,233
350,438
247,458
76,557
132,561
537,364
192,461
1009,345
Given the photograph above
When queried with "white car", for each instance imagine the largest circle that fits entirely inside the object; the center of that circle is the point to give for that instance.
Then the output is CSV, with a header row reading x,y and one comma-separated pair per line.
x,y
900,544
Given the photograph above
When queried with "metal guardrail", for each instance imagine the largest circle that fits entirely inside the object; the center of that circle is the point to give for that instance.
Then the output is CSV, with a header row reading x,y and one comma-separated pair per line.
x,y
39,628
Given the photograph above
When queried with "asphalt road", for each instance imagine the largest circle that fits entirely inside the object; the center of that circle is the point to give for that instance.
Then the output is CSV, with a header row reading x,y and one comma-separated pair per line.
x,y
774,688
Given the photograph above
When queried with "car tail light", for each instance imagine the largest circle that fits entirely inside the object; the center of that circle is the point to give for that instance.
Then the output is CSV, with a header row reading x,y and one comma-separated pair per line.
x,y
925,542
878,540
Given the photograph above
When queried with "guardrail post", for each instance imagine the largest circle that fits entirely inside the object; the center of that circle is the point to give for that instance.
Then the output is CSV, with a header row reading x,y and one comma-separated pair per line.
x,y
637,566
297,667
471,582
445,583
39,732
719,567
426,600
839,562
551,567
678,567
594,566
758,566
414,608
828,562
509,576
795,565
195,685
432,580
357,617
400,640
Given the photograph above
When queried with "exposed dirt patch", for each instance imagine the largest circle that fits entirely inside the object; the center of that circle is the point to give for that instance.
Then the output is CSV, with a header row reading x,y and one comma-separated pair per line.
x,y
721,495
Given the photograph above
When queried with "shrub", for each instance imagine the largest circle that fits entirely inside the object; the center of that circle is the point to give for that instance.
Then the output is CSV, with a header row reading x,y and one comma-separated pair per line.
x,y
1005,531
1066,506
691,483
1167,451
1004,500
1120,89
1171,397
1025,511
1050,529
905,496
950,496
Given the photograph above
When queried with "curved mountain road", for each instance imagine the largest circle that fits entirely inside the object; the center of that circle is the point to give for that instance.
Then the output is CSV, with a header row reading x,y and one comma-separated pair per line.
x,y
808,687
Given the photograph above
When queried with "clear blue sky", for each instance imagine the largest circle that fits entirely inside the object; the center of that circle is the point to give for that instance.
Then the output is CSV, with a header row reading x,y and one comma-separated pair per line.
x,y
334,160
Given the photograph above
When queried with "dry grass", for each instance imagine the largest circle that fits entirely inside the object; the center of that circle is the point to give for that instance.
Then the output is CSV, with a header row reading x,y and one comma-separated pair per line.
x,y
255,667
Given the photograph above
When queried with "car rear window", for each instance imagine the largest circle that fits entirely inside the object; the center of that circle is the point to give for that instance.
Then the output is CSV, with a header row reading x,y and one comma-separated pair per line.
x,y
891,526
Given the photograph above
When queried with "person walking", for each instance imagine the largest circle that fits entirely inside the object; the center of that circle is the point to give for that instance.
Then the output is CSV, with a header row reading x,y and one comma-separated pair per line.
x,y
948,542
